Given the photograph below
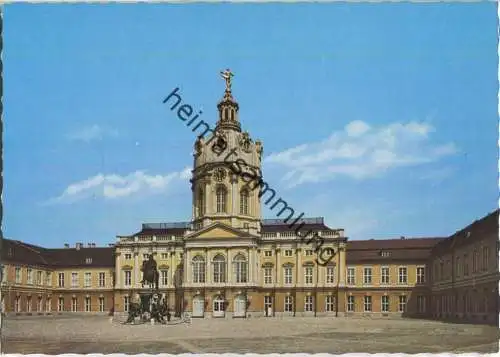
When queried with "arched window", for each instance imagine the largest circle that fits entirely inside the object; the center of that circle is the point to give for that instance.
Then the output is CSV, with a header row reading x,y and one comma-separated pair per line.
x,y
201,202
219,264
240,268
198,269
221,194
232,114
226,113
244,202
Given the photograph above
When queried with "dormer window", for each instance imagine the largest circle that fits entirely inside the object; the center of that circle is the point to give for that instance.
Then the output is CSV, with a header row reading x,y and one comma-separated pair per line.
x,y
385,253
88,260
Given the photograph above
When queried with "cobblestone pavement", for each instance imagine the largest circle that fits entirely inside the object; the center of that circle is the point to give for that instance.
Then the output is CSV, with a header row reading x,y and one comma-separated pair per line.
x,y
94,334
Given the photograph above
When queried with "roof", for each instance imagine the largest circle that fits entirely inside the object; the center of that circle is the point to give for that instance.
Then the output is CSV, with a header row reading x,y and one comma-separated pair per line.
x,y
18,252
486,226
267,226
407,249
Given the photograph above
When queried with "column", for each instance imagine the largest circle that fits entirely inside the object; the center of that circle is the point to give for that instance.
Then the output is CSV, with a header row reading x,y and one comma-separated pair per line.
x,y
251,266
118,271
277,251
234,194
341,265
188,267
136,270
208,267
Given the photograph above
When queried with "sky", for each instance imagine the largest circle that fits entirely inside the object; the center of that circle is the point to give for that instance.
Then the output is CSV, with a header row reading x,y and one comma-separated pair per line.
x,y
381,118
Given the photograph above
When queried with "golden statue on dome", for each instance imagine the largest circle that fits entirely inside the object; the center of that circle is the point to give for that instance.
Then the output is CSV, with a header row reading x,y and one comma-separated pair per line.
x,y
227,74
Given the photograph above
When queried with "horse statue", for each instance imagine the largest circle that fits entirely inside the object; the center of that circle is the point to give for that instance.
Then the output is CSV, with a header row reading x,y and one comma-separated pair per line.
x,y
150,272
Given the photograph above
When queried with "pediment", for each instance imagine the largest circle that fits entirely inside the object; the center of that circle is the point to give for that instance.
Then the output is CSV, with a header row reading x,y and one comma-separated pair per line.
x,y
218,231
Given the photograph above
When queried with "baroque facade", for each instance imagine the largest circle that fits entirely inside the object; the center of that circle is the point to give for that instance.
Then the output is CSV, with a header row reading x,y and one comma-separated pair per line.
x,y
229,262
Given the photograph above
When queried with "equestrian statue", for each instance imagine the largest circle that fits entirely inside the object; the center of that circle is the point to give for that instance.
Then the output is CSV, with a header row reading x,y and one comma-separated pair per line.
x,y
150,273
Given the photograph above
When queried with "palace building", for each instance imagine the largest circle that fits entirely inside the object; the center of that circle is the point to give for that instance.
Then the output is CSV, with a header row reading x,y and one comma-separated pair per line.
x,y
228,261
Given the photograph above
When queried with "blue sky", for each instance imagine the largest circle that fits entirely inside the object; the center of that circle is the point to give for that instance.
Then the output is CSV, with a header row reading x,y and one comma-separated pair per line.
x,y
380,117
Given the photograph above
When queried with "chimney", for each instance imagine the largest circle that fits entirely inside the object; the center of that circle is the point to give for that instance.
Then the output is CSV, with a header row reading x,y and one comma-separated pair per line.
x,y
89,245
93,245
78,245
66,245
111,244
403,237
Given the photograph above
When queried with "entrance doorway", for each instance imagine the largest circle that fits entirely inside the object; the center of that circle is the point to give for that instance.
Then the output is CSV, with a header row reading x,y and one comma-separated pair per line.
x,y
218,310
198,306
268,305
239,306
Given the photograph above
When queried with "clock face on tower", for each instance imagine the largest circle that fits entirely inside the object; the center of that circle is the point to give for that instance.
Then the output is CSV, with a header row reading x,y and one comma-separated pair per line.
x,y
220,175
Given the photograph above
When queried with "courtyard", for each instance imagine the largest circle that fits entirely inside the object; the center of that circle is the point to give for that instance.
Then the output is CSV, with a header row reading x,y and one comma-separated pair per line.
x,y
99,334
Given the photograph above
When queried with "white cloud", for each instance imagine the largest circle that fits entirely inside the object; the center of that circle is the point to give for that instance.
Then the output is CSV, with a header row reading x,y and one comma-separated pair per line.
x,y
360,151
115,186
92,133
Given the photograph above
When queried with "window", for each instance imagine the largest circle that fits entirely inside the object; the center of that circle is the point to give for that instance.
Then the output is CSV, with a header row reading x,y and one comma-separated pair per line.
x,y
350,303
60,304
74,280
128,256
39,277
145,256
421,304
28,304
48,278
127,281
198,269
164,255
268,275
485,263
466,265
164,277
87,281
309,252
351,279
367,275
308,274
88,260
441,270
126,303
385,253
385,303
288,253
330,303
288,274
88,307
102,279
240,269
402,303
17,304
101,304
219,264
457,267
288,304
61,280
330,274
29,273
368,303
221,199
308,303
18,275
384,275
201,202
48,305
244,202
268,253
74,304
420,275
403,275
